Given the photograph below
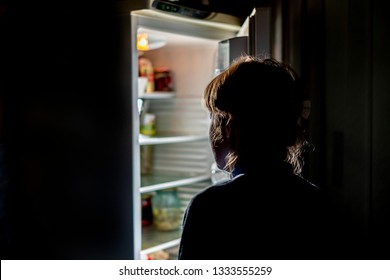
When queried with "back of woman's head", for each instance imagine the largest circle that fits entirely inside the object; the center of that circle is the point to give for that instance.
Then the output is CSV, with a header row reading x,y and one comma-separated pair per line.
x,y
261,100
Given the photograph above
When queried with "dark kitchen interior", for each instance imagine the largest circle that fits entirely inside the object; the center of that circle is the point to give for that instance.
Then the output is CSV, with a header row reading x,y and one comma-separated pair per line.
x,y
66,118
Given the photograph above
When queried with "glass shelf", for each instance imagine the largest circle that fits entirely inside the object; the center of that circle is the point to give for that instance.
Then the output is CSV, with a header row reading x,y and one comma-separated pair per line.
x,y
157,95
153,182
154,240
163,139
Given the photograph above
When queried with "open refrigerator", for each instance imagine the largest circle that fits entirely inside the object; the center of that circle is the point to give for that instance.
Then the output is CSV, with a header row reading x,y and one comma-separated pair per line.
x,y
172,159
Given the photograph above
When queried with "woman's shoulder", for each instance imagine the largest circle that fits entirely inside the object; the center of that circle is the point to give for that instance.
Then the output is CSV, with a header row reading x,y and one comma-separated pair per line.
x,y
217,188
245,185
304,184
218,192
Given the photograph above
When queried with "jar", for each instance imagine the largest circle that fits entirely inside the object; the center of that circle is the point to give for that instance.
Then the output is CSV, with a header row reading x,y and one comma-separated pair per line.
x,y
166,210
163,79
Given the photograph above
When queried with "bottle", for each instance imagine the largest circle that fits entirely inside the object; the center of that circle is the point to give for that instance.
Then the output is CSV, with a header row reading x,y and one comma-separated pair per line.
x,y
166,210
147,212
148,125
146,69
147,128
146,154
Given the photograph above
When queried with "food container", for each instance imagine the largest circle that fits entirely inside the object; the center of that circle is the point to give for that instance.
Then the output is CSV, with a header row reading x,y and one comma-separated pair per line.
x,y
147,212
148,124
166,210
163,80
146,70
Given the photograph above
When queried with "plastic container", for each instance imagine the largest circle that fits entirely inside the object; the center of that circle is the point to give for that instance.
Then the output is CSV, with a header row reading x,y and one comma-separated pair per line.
x,y
148,125
166,210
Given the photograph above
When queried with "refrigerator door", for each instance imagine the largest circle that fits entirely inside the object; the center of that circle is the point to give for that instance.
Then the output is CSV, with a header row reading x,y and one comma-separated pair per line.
x,y
260,32
255,38
230,49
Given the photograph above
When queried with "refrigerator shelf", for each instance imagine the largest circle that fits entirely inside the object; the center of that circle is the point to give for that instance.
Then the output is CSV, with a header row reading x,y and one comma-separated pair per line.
x,y
154,240
170,247
146,140
167,247
156,182
157,95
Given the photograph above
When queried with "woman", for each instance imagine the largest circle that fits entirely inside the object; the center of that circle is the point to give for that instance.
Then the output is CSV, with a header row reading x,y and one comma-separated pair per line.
x,y
267,210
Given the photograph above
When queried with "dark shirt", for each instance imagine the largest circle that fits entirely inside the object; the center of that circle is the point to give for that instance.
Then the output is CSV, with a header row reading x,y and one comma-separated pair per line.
x,y
273,214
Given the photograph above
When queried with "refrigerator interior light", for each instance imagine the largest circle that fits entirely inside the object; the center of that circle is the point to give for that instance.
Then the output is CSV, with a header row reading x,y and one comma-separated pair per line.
x,y
147,41
142,42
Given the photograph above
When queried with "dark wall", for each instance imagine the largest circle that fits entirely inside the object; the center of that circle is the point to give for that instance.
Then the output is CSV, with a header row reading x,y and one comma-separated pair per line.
x,y
340,49
67,128
344,57
348,100
380,104
357,102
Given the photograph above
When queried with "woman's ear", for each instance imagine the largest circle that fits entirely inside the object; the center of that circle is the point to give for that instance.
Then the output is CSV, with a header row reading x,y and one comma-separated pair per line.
x,y
306,108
